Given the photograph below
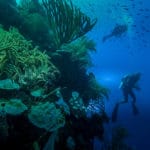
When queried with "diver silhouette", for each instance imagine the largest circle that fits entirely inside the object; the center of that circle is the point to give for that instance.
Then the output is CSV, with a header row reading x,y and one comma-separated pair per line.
x,y
128,83
116,32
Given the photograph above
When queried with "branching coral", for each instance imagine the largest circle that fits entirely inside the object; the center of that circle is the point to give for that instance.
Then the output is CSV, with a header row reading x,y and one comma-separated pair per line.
x,y
66,22
22,62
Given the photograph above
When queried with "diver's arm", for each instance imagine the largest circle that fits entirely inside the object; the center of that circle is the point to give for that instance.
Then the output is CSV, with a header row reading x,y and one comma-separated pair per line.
x,y
137,87
106,37
121,85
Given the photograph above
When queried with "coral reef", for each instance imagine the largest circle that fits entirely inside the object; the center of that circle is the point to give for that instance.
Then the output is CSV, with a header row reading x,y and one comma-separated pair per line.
x,y
47,116
8,84
12,106
44,83
77,106
22,62
75,58
95,107
79,51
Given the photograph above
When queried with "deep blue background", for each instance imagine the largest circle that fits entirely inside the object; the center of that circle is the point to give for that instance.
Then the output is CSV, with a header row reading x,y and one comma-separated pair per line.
x,y
119,56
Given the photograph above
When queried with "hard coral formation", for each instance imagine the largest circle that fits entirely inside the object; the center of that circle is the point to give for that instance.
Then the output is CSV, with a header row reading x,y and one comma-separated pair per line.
x,y
22,62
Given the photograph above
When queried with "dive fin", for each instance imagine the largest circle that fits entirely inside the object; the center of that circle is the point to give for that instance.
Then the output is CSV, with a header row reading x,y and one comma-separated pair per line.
x,y
135,109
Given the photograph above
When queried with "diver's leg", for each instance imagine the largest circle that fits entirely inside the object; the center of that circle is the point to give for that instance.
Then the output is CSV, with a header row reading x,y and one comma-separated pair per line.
x,y
115,113
133,96
134,107
115,110
125,100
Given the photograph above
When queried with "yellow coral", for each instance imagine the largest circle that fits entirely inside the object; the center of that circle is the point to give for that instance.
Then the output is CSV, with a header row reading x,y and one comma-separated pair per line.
x,y
20,61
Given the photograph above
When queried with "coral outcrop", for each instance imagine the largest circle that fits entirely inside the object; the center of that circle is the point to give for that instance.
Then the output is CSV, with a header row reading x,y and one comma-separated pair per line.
x,y
45,85
22,62
46,116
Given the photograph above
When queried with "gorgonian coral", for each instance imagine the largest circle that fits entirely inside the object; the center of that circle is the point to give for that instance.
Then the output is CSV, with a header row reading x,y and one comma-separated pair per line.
x,y
66,22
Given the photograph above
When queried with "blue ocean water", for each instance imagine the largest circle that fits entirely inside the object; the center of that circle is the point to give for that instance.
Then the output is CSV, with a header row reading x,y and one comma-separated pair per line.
x,y
119,56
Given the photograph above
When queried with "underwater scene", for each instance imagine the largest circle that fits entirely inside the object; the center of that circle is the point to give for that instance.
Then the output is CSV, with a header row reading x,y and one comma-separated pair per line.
x,y
74,74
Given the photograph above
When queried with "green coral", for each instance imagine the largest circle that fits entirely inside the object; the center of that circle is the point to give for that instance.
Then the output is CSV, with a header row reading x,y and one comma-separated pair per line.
x,y
66,22
22,62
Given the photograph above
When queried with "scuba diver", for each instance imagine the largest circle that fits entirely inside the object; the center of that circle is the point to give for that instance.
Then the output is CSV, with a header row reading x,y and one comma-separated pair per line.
x,y
117,32
128,83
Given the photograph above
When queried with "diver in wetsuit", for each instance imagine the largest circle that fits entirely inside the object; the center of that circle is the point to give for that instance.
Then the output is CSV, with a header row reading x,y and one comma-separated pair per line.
x,y
128,83
116,32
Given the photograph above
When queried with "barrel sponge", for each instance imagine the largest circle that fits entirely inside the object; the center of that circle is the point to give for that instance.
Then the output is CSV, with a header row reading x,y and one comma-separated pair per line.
x,y
46,116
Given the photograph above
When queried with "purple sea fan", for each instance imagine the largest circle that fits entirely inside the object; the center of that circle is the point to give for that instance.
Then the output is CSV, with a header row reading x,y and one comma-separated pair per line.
x,y
95,107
